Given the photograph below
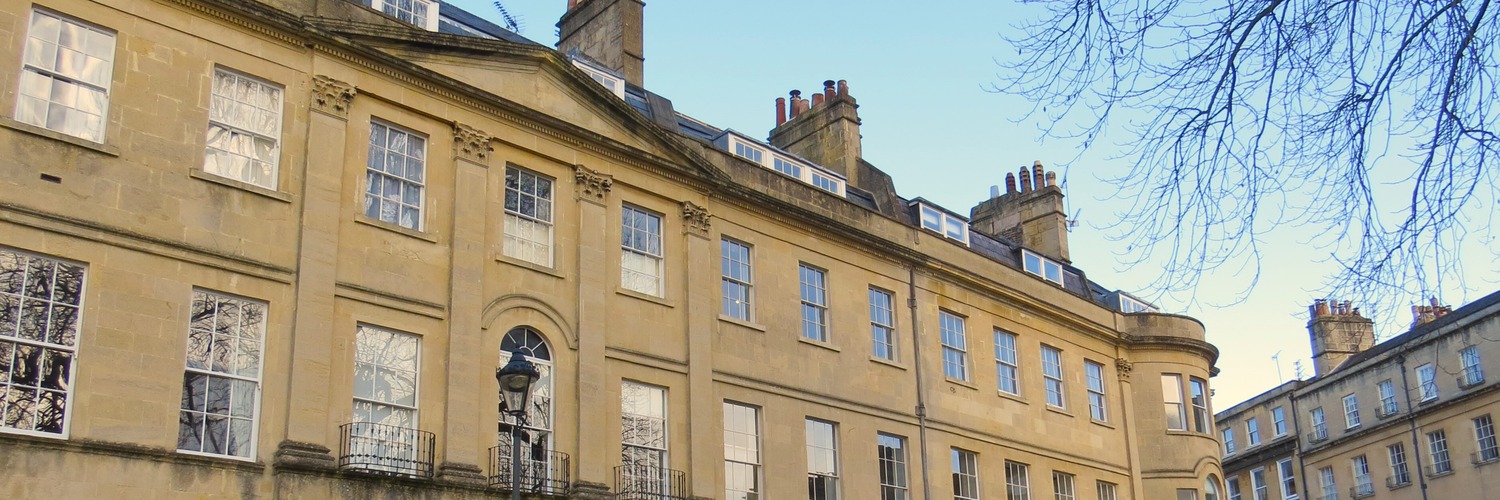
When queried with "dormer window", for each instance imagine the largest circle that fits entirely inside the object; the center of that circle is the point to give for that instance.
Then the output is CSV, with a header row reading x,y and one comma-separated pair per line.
x,y
613,83
944,223
1129,305
780,161
787,167
422,13
748,152
1041,266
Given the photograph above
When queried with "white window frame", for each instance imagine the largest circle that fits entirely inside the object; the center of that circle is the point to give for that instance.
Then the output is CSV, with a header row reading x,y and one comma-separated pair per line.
x,y
1129,305
1171,392
1319,423
35,269
254,120
643,243
1427,382
386,174
772,159
1351,411
655,451
1258,484
965,474
1098,403
243,382
1363,486
1437,448
739,456
540,411
1473,373
1007,363
1387,391
893,475
1252,432
1198,397
1043,267
883,324
737,268
943,223
748,151
429,20
955,345
1017,481
1278,420
35,68
1328,482
1486,449
787,167
614,84
1233,485
529,236
1227,434
823,440
1287,478
1052,370
813,293
1400,471
1062,486
393,454
1107,490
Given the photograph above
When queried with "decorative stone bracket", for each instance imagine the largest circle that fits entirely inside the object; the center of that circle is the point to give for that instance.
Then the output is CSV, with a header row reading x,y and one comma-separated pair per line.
x,y
471,144
697,220
332,96
591,184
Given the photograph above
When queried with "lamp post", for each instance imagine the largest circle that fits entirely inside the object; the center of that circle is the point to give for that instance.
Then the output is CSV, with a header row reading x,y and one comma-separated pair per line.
x,y
516,379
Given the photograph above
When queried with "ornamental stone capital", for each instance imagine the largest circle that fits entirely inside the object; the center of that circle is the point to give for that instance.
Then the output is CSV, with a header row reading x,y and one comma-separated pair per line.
x,y
332,96
471,144
591,184
1123,366
696,219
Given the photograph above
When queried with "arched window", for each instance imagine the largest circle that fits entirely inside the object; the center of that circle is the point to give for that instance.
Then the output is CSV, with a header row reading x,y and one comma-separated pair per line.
x,y
538,425
1211,488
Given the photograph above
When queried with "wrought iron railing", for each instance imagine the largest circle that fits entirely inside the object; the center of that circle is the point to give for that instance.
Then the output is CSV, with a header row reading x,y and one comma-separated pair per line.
x,y
1397,481
640,482
1318,435
542,472
385,449
1470,378
1440,468
1362,489
1485,456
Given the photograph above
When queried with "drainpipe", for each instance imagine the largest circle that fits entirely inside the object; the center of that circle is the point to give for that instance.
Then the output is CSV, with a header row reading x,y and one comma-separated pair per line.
x,y
1411,422
916,356
1297,445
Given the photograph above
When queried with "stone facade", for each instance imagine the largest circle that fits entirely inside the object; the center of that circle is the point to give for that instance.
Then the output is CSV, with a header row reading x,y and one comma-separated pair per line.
x,y
1409,418
160,243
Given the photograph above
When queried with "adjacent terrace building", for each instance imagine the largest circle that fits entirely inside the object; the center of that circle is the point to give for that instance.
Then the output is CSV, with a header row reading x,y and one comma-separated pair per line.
x,y
1409,418
278,248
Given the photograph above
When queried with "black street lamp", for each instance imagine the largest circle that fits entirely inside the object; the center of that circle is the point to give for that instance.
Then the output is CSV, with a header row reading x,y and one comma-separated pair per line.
x,y
516,379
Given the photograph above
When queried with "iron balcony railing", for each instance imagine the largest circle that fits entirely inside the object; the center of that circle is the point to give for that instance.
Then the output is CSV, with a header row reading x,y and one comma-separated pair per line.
x,y
641,482
1362,489
1387,407
385,449
1329,496
1318,435
1394,482
542,472
1439,468
1470,378
1485,456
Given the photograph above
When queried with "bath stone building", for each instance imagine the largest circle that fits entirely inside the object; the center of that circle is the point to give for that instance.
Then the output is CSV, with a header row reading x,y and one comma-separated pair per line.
x,y
1409,418
278,249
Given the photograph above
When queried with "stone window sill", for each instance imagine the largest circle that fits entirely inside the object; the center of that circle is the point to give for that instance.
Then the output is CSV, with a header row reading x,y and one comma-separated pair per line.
x,y
736,321
240,185
529,265
818,343
641,296
28,128
365,219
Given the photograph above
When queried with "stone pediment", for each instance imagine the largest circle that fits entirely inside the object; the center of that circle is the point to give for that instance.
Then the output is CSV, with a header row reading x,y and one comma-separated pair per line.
x,y
532,77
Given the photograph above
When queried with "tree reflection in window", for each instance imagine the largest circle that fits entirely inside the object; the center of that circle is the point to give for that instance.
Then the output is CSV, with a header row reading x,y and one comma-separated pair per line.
x,y
225,336
40,300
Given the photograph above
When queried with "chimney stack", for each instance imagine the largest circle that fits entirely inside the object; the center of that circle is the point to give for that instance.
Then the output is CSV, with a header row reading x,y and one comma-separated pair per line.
x,y
1030,214
828,135
1421,315
1337,332
607,31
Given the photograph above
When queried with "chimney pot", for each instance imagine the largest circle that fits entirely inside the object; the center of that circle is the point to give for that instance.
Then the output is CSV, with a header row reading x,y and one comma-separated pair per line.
x,y
1025,180
797,102
828,91
1051,178
994,191
817,100
1010,182
780,111
843,87
1036,174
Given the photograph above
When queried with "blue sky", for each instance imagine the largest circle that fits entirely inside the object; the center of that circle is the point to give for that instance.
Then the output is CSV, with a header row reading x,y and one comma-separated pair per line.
x,y
919,71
